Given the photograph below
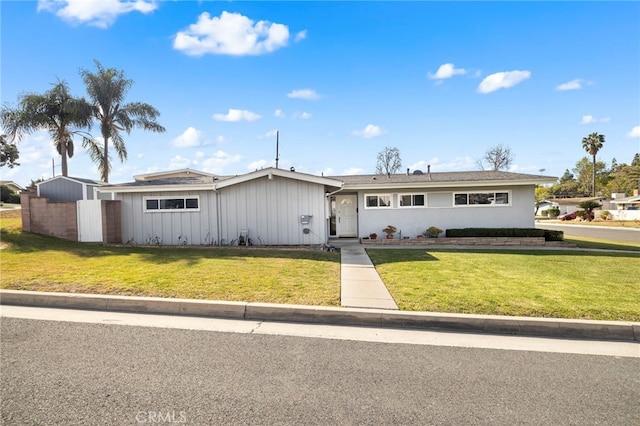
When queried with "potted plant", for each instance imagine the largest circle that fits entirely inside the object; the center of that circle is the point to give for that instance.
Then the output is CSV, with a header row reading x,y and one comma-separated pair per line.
x,y
390,230
373,235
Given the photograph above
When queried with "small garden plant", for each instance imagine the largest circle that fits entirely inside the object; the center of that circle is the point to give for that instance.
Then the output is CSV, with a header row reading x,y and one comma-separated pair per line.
x,y
390,230
432,232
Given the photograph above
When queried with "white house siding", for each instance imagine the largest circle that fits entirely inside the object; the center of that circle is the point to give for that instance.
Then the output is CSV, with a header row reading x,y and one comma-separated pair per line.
x,y
441,213
270,210
199,227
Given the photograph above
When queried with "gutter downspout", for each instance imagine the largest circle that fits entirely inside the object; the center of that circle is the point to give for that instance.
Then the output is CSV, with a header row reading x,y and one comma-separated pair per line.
x,y
218,219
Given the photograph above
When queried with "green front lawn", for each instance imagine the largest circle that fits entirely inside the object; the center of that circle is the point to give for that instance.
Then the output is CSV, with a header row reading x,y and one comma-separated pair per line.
x,y
40,263
558,284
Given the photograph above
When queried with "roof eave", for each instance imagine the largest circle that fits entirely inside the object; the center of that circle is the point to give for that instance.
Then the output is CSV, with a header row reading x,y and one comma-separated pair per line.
x,y
440,184
158,188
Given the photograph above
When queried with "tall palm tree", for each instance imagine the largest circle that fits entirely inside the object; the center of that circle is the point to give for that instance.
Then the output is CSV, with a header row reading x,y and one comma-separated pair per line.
x,y
55,111
107,89
592,144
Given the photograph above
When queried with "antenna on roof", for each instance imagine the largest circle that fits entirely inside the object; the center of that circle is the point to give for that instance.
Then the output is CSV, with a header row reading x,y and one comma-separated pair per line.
x,y
277,147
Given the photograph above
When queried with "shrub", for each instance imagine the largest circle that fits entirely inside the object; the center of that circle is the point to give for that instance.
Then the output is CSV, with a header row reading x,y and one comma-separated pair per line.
x,y
554,211
544,213
606,215
390,230
432,232
505,232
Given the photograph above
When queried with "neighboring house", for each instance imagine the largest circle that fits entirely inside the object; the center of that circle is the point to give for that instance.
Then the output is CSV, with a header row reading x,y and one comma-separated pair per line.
x,y
569,205
280,207
628,203
66,188
12,186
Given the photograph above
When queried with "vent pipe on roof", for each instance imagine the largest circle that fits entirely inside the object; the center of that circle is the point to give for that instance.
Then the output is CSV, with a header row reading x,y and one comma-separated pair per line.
x,y
407,171
429,170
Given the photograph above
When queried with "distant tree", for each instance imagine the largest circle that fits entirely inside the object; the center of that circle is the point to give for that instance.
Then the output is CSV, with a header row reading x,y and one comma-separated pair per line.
x,y
583,171
589,207
624,179
636,160
8,153
55,111
566,177
497,158
34,182
389,161
592,144
107,89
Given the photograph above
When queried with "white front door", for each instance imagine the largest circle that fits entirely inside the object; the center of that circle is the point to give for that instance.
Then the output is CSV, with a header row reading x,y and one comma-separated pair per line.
x,y
346,215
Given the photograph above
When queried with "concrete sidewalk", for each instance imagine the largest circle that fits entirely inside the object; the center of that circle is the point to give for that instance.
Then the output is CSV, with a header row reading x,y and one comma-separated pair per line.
x,y
360,284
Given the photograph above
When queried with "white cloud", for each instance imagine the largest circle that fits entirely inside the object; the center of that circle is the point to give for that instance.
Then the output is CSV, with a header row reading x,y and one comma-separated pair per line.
x,y
220,139
353,171
178,162
502,80
189,138
457,164
231,34
634,133
370,131
101,14
218,161
278,113
301,115
446,71
308,94
258,164
570,85
301,35
589,119
268,135
237,115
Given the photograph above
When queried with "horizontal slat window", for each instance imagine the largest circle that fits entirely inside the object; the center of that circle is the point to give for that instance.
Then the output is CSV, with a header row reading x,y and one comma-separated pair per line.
x,y
171,204
482,198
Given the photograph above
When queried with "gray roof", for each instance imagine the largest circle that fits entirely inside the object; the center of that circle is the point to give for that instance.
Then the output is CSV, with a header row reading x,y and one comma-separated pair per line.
x,y
184,180
440,177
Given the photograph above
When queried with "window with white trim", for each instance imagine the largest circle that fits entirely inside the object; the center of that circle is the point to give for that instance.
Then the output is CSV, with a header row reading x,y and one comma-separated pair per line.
x,y
481,198
377,201
171,204
411,200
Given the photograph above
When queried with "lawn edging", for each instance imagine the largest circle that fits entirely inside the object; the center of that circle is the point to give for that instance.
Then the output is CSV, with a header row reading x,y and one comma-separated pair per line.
x,y
494,324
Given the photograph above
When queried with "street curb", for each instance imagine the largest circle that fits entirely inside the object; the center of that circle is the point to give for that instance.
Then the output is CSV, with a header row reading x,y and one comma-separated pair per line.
x,y
494,324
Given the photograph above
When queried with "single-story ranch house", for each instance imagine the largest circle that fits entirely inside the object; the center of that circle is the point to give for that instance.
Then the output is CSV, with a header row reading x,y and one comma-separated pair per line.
x,y
281,207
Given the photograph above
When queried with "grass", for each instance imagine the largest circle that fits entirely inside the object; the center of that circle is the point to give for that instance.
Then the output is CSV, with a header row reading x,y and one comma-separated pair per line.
x,y
555,284
40,263
597,243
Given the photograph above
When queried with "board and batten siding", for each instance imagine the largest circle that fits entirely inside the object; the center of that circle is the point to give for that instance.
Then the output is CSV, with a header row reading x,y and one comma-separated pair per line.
x,y
270,210
61,190
198,227
441,212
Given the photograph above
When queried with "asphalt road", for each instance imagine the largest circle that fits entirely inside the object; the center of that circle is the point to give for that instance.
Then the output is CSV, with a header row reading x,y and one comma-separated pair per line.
x,y
603,232
65,373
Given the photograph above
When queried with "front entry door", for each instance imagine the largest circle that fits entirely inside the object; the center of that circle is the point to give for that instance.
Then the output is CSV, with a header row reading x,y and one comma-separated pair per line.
x,y
346,215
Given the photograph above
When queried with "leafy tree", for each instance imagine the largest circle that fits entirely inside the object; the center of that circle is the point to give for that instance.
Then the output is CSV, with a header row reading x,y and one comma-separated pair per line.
x,y
592,144
8,196
589,207
624,179
636,160
566,177
389,161
55,111
107,88
583,171
498,157
541,193
8,153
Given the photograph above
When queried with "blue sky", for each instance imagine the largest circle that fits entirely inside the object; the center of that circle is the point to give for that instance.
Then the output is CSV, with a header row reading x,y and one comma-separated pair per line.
x,y
442,82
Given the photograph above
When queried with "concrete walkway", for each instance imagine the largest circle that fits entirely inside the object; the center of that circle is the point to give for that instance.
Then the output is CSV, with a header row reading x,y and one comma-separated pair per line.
x,y
360,284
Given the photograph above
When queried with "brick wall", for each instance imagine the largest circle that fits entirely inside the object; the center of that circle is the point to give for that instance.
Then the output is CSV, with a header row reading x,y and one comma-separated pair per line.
x,y
41,216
